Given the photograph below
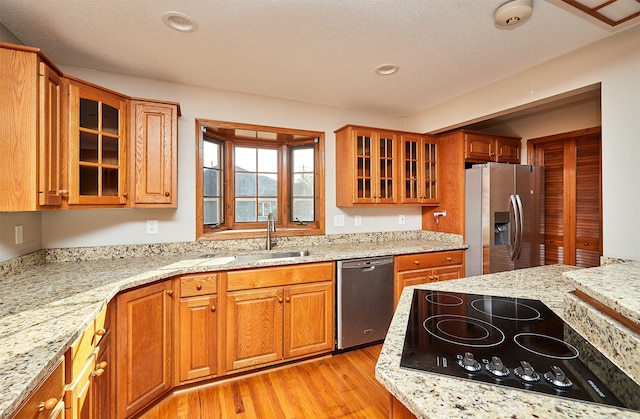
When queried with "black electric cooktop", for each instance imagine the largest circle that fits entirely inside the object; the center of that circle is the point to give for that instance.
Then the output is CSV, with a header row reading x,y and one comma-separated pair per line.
x,y
512,342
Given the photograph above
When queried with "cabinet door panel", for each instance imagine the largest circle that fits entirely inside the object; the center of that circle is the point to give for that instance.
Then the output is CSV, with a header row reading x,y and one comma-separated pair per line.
x,y
143,346
308,319
254,327
154,149
198,335
410,278
49,178
447,273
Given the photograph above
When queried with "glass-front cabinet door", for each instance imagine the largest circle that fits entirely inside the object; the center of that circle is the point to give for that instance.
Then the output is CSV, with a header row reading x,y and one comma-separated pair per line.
x,y
419,171
374,163
97,159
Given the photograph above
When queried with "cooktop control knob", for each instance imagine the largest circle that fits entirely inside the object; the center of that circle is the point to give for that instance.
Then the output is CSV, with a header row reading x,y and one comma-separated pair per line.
x,y
469,363
557,377
526,372
496,367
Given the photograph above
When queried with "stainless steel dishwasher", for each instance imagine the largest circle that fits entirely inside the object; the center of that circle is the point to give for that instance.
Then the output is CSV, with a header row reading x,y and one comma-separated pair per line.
x,y
364,303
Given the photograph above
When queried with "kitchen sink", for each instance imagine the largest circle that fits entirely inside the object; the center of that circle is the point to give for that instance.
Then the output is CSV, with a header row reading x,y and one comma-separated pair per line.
x,y
252,257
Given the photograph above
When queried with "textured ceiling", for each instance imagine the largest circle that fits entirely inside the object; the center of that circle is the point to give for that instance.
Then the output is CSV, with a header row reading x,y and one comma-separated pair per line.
x,y
316,51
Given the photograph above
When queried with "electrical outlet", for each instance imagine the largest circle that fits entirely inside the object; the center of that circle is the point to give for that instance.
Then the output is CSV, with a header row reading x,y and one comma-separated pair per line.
x,y
357,221
338,220
401,219
19,234
152,226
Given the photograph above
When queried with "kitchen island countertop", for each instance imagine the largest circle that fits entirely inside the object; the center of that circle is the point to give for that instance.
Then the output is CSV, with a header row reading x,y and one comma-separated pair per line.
x,y
429,395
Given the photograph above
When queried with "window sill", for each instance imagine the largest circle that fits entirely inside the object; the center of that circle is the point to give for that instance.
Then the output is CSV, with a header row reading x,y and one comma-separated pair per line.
x,y
211,234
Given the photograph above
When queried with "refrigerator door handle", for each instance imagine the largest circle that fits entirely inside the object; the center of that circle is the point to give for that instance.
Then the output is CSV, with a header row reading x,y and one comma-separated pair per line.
x,y
520,233
514,232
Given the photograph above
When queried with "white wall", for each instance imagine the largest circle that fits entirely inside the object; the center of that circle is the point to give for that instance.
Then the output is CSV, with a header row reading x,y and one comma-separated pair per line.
x,y
118,226
613,62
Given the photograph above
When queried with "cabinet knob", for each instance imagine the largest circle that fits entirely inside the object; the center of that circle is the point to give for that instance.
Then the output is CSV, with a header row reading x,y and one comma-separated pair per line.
x,y
586,244
48,404
449,259
279,299
103,365
435,277
97,372
287,299
100,332
167,194
199,287
63,192
551,240
170,293
213,308
417,262
124,194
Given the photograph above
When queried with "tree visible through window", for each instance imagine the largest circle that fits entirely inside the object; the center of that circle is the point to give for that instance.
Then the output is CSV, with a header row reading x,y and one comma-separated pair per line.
x,y
248,172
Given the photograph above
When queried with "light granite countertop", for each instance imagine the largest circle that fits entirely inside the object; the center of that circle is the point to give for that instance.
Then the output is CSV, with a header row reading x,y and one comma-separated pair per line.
x,y
430,395
45,308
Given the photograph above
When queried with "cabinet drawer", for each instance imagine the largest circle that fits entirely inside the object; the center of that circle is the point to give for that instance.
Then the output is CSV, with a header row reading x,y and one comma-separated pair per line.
x,y
193,285
280,275
80,351
428,260
47,399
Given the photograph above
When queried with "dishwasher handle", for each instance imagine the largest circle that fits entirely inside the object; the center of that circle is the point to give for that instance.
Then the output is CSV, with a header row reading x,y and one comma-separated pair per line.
x,y
363,264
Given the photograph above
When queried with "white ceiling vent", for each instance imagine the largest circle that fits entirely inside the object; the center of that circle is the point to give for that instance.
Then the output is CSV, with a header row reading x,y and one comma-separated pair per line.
x,y
513,13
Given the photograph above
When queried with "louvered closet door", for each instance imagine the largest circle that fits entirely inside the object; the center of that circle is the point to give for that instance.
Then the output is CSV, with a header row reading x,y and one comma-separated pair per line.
x,y
573,196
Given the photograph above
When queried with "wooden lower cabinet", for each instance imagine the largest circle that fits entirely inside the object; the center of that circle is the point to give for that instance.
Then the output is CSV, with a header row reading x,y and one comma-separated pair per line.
x,y
291,319
422,268
197,341
144,350
47,402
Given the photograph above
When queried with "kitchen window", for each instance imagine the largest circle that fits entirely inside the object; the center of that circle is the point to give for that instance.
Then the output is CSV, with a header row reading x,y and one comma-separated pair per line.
x,y
248,171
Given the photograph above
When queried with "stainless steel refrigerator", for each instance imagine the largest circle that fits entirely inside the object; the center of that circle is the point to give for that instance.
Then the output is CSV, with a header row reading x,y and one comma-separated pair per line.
x,y
504,217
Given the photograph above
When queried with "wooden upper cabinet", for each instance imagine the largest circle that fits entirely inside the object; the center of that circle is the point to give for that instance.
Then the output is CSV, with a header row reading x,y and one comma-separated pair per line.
x,y
154,154
482,147
97,136
30,174
419,179
366,171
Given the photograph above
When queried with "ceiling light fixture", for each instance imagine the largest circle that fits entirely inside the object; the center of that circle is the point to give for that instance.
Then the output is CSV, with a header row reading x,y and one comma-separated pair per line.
x,y
179,21
387,69
513,13
612,12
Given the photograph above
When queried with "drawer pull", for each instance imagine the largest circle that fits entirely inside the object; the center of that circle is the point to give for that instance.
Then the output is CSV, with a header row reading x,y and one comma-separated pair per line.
x,y
170,293
167,194
586,244
100,332
279,299
48,404
287,299
449,259
199,287
417,262
551,240
213,308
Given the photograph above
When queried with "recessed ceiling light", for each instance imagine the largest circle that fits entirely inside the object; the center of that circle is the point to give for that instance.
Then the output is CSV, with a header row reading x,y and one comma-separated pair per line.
x,y
387,69
179,21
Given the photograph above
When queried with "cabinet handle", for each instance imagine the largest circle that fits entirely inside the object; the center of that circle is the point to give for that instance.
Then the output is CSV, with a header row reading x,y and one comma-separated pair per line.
x,y
213,308
63,192
449,259
170,293
99,369
586,244
435,278
417,262
48,404
551,240
167,194
279,299
287,299
199,287
100,332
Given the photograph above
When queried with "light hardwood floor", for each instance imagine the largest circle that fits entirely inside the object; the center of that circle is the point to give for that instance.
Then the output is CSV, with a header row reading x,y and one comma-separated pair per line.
x,y
341,386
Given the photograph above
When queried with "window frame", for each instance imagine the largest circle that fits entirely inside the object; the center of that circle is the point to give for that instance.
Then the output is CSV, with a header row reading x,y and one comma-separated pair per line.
x,y
286,139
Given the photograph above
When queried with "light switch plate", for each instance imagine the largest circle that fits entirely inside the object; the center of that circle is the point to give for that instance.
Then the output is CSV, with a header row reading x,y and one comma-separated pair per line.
x,y
357,221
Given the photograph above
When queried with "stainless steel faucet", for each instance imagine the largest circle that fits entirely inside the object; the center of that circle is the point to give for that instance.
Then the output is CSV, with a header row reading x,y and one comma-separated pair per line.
x,y
271,227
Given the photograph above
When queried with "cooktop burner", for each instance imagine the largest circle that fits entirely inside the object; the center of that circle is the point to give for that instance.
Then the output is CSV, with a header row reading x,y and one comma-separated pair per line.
x,y
512,342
